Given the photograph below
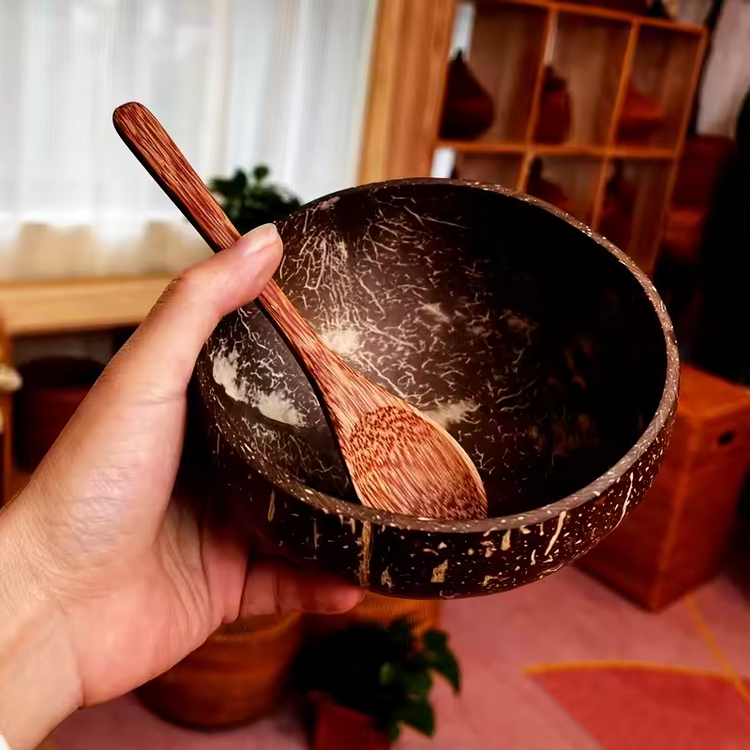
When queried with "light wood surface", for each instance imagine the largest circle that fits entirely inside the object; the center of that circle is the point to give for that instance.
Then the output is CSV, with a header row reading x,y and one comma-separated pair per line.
x,y
598,12
507,44
581,178
562,149
663,67
652,179
589,54
28,308
412,42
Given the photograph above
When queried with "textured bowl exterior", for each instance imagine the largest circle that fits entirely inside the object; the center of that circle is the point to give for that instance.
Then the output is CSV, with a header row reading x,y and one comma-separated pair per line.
x,y
398,555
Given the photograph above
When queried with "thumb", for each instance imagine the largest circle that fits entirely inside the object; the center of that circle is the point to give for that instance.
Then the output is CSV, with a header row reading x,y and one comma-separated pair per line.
x,y
159,358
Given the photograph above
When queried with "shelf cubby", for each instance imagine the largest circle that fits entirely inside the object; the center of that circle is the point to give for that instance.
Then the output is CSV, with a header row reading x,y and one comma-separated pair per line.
x,y
499,169
632,206
506,46
663,73
588,54
603,56
575,179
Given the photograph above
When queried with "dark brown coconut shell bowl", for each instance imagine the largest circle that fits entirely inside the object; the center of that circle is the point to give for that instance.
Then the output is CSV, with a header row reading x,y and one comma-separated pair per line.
x,y
542,348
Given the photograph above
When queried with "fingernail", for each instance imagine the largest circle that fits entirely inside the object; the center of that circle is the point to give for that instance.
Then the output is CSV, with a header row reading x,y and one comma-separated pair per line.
x,y
340,600
257,239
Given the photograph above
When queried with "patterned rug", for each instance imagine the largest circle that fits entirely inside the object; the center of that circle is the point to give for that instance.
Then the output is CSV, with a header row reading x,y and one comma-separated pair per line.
x,y
651,707
565,664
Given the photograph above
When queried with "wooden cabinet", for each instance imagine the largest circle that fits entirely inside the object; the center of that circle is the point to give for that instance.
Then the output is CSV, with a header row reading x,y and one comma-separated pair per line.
x,y
675,539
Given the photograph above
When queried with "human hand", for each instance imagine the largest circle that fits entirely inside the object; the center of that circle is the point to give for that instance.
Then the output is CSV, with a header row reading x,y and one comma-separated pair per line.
x,y
105,583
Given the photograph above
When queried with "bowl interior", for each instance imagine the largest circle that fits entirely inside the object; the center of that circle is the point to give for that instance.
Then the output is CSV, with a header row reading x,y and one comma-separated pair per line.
x,y
533,344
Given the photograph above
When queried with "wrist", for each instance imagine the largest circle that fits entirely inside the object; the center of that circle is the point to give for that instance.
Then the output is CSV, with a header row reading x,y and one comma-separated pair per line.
x,y
38,678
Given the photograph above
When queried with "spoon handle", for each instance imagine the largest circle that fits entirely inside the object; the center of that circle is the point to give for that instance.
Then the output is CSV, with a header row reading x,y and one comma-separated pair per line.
x,y
157,152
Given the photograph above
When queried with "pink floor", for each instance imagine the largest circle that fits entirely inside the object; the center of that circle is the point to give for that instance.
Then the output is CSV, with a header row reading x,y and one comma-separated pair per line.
x,y
563,664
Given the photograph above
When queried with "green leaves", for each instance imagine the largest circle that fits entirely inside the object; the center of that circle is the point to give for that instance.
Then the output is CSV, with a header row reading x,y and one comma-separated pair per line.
x,y
252,202
382,671
435,640
260,172
420,716
441,658
417,680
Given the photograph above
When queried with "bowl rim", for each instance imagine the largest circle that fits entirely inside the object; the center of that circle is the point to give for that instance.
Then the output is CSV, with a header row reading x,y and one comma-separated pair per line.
x,y
667,404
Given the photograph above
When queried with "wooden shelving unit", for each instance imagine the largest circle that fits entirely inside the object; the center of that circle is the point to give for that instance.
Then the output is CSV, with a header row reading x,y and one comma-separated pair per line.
x,y
601,54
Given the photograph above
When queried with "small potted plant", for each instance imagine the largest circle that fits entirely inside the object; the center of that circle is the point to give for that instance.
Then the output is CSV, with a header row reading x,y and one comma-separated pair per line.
x,y
250,200
366,681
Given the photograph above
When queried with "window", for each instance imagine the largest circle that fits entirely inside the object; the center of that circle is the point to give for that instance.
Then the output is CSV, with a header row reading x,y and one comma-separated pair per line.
x,y
235,82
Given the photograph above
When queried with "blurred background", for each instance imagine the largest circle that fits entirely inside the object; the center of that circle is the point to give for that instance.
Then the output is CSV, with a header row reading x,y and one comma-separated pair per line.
x,y
631,115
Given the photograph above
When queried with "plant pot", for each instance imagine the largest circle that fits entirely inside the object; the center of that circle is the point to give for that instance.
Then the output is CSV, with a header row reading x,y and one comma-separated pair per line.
x,y
237,675
424,614
544,189
553,124
619,204
641,116
468,110
340,728
53,388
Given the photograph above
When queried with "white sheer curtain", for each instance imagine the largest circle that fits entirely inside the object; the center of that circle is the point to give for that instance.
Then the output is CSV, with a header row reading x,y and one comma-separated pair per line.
x,y
236,82
726,80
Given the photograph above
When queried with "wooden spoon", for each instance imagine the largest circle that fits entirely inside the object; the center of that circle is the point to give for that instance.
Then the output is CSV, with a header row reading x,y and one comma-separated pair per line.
x,y
398,459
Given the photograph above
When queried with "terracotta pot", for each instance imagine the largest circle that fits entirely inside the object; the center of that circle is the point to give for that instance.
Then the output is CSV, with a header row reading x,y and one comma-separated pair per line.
x,y
640,118
468,110
53,388
238,675
619,203
340,728
553,124
544,189
423,613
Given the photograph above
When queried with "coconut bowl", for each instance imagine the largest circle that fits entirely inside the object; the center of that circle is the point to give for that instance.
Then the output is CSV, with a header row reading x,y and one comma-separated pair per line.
x,y
540,346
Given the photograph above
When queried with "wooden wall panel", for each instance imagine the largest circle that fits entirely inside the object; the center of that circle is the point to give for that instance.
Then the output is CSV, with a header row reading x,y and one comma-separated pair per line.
x,y
407,77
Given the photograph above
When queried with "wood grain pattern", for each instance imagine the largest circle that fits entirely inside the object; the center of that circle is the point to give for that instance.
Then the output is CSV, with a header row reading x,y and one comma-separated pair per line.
x,y
398,459
600,53
237,675
600,12
409,62
38,307
675,540
562,149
